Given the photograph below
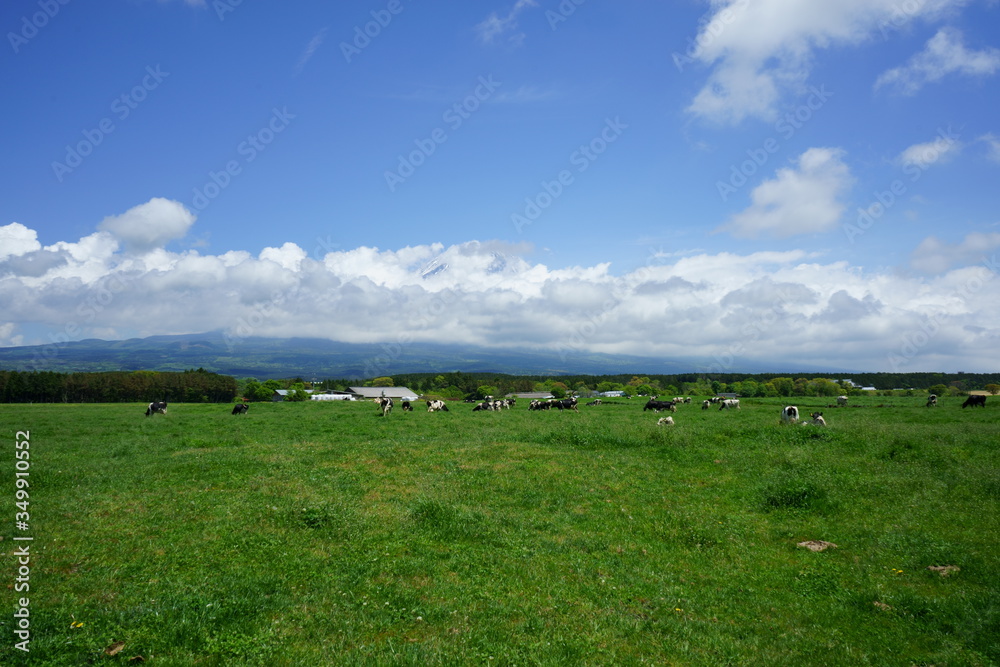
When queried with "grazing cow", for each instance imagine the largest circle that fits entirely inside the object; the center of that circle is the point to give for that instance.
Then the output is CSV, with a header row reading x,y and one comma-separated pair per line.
x,y
841,401
665,421
656,406
384,404
160,406
705,404
789,415
596,401
975,400
932,401
407,407
434,406
241,408
540,405
730,403
817,419
567,404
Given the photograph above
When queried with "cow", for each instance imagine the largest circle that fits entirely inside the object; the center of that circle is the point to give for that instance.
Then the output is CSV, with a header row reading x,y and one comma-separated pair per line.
x,y
241,408
434,406
932,401
384,404
841,401
730,403
665,421
790,414
540,405
567,404
974,400
705,404
159,406
656,406
407,407
817,419
596,401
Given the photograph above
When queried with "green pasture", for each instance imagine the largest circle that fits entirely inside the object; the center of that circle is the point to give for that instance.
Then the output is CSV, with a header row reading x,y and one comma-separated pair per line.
x,y
322,534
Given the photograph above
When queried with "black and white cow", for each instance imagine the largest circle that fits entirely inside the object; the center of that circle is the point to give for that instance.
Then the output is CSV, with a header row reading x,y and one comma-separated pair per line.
x,y
159,406
567,404
241,408
730,403
656,406
665,421
434,406
384,404
407,407
932,401
841,401
790,414
974,400
817,419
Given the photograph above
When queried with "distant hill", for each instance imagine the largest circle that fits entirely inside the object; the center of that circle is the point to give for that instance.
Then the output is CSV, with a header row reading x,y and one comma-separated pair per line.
x,y
265,358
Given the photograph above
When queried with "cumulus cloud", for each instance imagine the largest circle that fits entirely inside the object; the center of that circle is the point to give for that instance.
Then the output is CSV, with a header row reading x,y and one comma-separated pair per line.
x,y
760,50
945,53
16,239
936,256
151,225
725,309
804,199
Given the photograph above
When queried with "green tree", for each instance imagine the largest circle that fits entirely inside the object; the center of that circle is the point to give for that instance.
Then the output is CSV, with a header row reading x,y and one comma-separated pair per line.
x,y
994,389
383,382
938,389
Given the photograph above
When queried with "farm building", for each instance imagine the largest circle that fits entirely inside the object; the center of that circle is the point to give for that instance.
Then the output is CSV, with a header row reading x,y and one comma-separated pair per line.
x,y
333,396
369,393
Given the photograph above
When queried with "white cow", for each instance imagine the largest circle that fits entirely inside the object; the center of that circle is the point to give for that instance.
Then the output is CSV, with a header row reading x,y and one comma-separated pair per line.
x,y
730,403
665,421
842,401
434,406
790,414
817,419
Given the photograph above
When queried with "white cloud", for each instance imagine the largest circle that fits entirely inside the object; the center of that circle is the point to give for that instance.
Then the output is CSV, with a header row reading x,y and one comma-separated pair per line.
x,y
310,50
934,256
945,53
726,309
941,149
801,200
16,239
992,146
762,49
494,26
151,225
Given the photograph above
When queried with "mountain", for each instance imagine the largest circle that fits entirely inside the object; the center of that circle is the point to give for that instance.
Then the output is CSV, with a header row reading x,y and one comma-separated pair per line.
x,y
309,358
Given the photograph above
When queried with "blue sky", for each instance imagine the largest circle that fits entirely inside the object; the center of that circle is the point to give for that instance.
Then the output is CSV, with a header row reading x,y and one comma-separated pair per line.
x,y
739,180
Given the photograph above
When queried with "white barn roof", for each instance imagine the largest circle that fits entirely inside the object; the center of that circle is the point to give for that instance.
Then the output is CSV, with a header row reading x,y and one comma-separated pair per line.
x,y
402,393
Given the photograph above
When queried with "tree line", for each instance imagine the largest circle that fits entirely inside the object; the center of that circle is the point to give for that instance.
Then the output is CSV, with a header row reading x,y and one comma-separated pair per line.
x,y
191,386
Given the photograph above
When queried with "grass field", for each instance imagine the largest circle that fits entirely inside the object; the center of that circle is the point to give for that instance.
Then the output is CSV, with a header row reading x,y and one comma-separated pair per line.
x,y
322,534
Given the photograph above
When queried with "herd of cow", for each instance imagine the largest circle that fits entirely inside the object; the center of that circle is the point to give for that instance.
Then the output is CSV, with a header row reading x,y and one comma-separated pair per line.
x,y
789,415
